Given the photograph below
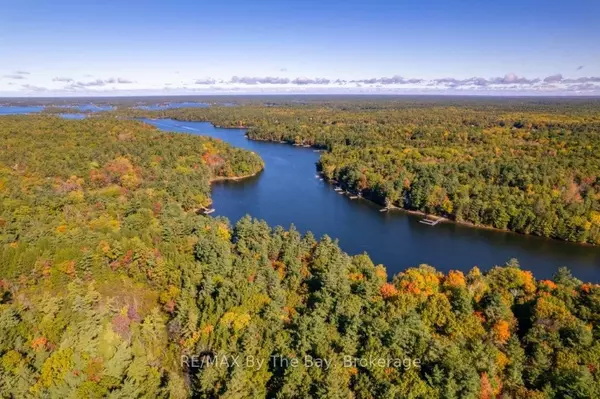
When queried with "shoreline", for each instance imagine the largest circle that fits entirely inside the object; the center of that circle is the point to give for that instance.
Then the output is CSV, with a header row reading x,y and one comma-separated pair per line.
x,y
443,219
394,207
234,178
224,179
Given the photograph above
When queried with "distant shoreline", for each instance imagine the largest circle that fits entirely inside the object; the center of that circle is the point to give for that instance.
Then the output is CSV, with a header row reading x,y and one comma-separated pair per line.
x,y
234,178
393,207
465,223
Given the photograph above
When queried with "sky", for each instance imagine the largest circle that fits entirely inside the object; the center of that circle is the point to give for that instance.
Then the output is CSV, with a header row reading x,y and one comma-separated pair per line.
x,y
92,47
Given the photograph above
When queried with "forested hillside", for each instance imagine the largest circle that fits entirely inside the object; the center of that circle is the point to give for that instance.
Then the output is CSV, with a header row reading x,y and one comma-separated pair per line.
x,y
526,166
110,283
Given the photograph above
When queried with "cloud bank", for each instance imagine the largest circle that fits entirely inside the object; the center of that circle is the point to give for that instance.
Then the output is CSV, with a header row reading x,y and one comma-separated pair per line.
x,y
17,75
509,84
94,83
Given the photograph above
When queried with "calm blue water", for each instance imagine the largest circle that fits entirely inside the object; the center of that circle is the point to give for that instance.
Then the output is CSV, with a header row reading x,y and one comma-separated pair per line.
x,y
11,110
30,109
287,192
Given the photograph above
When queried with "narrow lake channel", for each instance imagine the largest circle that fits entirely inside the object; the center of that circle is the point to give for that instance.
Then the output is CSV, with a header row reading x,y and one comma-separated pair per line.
x,y
287,192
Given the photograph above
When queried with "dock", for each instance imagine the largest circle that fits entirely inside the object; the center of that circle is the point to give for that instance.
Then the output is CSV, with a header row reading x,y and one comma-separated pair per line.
x,y
430,222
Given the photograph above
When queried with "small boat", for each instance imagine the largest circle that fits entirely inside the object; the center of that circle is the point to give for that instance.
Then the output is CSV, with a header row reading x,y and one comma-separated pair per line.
x,y
338,189
353,197
384,209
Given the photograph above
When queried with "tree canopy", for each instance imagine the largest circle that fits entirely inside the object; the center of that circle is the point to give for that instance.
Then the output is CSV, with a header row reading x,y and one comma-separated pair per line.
x,y
528,166
110,281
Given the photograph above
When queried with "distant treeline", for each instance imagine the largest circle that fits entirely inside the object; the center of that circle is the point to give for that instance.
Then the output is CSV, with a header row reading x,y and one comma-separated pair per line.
x,y
346,101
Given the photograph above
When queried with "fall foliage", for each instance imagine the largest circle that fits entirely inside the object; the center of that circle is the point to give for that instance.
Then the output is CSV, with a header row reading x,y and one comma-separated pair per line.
x,y
108,276
528,166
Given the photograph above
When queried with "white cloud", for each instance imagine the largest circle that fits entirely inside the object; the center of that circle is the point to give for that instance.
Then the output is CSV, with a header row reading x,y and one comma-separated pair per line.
x,y
509,84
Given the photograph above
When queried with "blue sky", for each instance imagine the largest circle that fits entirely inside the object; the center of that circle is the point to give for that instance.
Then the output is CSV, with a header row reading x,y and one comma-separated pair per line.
x,y
157,47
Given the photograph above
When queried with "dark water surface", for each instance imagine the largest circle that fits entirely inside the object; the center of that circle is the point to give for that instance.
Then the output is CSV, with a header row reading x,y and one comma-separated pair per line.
x,y
287,192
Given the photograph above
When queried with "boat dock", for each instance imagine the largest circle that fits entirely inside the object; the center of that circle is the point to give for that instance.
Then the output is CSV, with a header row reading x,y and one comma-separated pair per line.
x,y
430,222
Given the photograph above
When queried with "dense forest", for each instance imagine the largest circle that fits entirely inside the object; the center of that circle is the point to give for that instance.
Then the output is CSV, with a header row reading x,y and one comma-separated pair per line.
x,y
110,281
530,167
